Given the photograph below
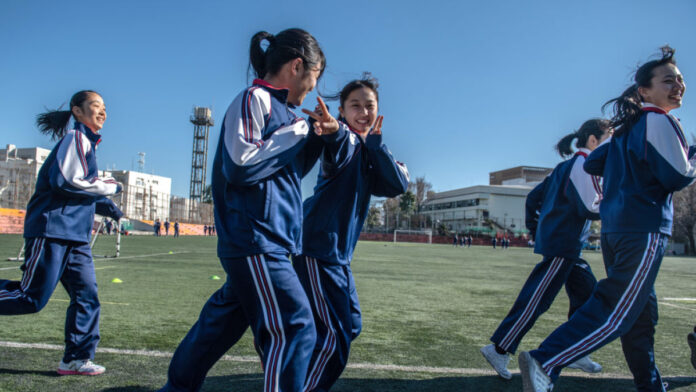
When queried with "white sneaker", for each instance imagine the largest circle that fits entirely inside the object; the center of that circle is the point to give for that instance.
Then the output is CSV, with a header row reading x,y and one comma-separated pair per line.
x,y
498,361
586,364
534,378
81,367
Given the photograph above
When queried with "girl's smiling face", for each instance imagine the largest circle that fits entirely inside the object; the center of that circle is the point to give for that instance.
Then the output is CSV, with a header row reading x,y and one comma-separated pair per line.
x,y
92,112
360,109
666,88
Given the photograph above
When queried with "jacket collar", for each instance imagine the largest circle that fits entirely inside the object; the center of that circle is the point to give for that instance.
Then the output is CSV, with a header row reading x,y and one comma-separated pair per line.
x,y
648,107
583,151
93,137
280,94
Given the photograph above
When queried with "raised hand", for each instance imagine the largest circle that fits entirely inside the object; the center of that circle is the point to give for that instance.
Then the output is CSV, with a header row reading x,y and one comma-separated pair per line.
x,y
377,128
325,123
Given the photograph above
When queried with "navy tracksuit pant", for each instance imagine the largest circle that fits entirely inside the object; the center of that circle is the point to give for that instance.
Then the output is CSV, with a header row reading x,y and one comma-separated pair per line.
x,y
261,292
331,291
46,262
538,294
623,305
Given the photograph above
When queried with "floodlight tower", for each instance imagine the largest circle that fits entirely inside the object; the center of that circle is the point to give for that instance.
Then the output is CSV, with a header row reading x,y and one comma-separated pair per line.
x,y
202,121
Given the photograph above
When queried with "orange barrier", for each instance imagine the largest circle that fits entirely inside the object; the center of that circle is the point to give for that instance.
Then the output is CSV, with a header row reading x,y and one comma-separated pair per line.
x,y
12,221
184,228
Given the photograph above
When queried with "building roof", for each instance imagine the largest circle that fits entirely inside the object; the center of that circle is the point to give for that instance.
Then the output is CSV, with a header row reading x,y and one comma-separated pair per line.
x,y
510,190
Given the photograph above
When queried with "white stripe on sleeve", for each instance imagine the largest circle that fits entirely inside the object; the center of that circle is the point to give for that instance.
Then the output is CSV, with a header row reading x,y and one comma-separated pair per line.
x,y
584,185
72,161
244,124
662,134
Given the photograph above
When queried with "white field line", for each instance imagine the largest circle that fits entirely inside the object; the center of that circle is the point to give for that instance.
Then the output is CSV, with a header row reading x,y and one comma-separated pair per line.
x,y
9,268
101,302
683,299
359,366
150,255
114,259
676,306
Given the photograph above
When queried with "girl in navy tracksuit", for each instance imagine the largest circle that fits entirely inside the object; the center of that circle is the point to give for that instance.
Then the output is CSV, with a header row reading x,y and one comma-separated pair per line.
x,y
58,226
645,161
263,151
558,216
355,165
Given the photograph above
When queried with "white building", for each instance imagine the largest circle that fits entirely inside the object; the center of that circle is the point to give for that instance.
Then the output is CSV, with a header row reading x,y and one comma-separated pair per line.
x,y
145,196
19,168
499,207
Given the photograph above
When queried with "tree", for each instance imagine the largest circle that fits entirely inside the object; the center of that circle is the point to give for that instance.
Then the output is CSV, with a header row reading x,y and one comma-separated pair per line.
x,y
685,217
391,212
374,217
207,196
407,204
423,190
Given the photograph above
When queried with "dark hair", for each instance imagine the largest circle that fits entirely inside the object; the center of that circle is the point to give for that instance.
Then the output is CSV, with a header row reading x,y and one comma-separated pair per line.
x,y
283,47
595,127
55,122
627,106
367,81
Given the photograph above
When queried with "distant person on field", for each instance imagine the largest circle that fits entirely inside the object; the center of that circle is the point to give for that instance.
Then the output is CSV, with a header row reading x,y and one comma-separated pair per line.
x,y
109,225
166,227
205,230
57,230
494,241
558,214
176,228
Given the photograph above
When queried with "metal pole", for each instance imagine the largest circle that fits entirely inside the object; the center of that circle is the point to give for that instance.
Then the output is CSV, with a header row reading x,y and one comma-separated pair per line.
x,y
118,238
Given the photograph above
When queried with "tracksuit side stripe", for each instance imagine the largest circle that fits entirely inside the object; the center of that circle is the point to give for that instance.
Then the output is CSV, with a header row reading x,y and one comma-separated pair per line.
x,y
80,152
615,318
36,249
323,313
532,304
272,319
5,294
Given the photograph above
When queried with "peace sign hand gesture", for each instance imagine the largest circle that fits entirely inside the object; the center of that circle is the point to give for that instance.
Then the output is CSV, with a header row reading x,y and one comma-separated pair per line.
x,y
377,128
325,123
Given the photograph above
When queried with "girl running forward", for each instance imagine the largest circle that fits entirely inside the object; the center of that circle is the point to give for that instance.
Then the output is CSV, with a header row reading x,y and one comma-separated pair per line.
x,y
58,226
558,215
643,164
355,165
263,151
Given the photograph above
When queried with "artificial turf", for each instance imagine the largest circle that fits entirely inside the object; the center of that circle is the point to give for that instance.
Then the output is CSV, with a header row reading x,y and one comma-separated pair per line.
x,y
423,305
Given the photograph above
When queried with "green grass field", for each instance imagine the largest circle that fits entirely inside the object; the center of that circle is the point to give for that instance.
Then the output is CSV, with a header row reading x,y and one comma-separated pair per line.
x,y
427,309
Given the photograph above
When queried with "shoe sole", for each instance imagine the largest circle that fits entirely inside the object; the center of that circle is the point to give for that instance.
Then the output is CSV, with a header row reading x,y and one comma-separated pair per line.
x,y
525,365
691,338
592,371
504,377
76,373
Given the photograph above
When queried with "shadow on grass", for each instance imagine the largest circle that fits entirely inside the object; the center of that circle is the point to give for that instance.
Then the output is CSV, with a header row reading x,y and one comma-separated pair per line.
x,y
46,373
254,382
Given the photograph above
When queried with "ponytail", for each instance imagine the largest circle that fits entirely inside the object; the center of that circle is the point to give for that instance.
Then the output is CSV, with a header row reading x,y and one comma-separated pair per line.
x,y
563,146
283,47
55,122
257,56
596,127
627,108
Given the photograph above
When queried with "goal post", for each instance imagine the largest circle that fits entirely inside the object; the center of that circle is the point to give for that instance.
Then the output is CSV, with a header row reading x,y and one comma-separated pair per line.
x,y
411,235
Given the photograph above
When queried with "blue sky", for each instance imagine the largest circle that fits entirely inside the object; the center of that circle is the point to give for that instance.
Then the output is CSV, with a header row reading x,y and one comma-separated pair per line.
x,y
467,87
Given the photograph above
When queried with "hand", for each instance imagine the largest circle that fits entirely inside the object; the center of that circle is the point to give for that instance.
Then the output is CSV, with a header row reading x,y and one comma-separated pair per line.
x,y
377,128
325,123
